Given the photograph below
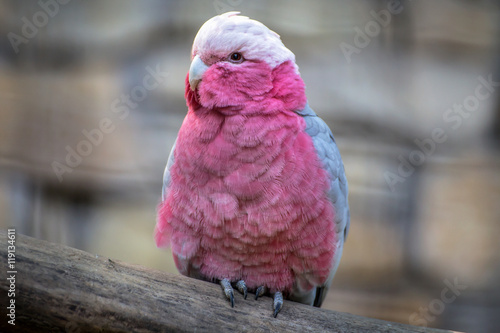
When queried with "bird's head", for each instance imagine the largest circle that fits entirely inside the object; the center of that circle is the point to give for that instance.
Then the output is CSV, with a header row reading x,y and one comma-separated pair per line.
x,y
240,65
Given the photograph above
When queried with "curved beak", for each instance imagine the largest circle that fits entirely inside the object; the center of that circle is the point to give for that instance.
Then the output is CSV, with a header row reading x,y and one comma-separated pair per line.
x,y
196,71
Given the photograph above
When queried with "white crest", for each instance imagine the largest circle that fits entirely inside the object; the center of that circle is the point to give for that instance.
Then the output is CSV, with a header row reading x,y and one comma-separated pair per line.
x,y
230,32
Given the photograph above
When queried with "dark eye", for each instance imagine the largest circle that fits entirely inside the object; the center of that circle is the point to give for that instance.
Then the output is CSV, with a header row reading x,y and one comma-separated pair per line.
x,y
236,57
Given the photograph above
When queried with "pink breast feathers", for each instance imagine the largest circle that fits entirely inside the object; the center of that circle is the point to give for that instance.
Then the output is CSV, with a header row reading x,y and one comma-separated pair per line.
x,y
248,201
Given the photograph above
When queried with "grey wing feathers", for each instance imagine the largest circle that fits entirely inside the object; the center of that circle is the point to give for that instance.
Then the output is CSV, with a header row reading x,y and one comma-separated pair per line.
x,y
329,154
166,174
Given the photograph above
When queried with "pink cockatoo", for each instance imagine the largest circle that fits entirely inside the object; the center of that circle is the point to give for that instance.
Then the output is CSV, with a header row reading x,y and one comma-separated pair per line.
x,y
254,192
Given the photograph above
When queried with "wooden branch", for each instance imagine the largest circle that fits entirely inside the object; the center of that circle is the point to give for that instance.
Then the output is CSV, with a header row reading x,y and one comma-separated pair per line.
x,y
61,289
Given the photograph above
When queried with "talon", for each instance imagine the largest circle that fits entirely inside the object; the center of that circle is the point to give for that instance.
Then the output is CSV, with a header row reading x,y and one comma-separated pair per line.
x,y
228,290
278,303
260,291
242,288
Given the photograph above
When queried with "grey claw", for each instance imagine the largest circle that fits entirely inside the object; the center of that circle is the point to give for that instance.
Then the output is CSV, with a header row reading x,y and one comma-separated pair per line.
x,y
228,290
242,287
260,291
278,303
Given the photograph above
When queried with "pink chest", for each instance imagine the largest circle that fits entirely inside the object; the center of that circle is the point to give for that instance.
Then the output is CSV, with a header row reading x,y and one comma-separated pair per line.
x,y
248,200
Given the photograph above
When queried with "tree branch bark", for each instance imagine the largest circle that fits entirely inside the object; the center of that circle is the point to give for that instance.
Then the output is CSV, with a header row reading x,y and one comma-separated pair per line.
x,y
61,289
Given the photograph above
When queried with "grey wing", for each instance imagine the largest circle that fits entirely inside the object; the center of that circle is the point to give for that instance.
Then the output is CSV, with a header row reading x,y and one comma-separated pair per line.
x,y
329,154
166,173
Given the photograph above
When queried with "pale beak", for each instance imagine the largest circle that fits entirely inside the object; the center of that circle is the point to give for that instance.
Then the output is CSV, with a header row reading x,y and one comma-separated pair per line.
x,y
196,72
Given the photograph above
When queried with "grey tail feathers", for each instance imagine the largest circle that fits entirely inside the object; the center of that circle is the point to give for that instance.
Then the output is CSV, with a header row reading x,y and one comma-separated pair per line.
x,y
319,296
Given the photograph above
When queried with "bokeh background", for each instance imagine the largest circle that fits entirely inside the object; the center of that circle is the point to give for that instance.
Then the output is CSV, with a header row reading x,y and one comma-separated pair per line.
x,y
419,139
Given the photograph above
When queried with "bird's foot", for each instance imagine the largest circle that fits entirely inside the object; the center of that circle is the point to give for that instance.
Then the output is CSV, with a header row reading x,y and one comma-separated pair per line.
x,y
242,288
278,303
228,290
260,291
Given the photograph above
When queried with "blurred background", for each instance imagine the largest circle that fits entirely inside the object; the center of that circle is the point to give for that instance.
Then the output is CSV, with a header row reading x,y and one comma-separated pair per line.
x,y
91,97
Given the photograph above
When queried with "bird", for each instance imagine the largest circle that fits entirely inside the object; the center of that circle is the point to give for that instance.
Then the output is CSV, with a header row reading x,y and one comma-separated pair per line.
x,y
255,195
